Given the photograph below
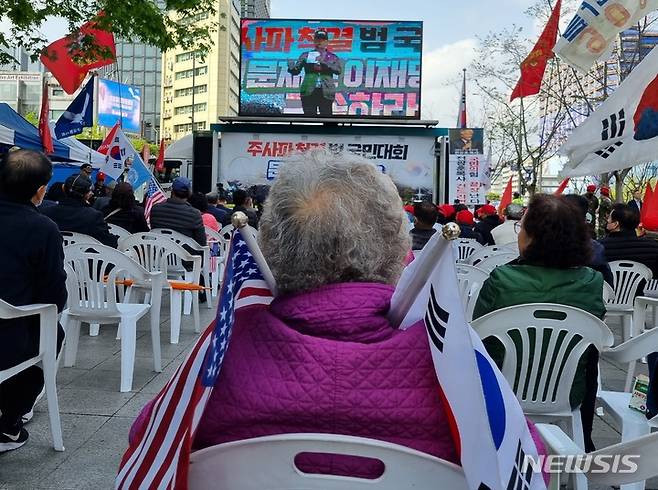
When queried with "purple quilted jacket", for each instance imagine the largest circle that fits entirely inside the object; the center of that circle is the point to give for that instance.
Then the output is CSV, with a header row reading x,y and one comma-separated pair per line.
x,y
328,361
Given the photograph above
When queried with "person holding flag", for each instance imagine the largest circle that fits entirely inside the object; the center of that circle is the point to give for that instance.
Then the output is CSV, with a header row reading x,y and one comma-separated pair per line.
x,y
324,348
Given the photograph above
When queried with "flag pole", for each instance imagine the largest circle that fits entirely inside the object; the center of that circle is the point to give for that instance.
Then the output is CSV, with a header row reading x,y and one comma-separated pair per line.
x,y
240,222
425,266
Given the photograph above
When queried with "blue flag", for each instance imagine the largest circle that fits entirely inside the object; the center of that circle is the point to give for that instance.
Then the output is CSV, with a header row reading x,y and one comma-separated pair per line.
x,y
78,115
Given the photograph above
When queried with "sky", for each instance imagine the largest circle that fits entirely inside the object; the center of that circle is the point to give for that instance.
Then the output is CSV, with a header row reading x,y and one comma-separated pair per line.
x,y
450,38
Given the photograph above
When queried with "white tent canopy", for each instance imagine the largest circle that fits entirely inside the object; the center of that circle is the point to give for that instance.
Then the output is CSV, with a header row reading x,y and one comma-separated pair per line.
x,y
180,149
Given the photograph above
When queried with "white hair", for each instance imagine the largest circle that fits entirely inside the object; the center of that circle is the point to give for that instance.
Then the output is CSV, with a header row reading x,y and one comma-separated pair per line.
x,y
331,219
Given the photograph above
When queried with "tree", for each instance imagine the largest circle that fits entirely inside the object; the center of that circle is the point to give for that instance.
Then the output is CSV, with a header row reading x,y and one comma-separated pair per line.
x,y
33,118
166,25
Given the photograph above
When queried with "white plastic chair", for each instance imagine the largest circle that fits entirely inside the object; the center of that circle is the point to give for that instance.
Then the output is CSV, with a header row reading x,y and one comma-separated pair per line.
x,y
226,232
47,357
486,252
632,423
470,281
230,466
643,451
466,247
543,390
627,276
191,243
216,258
118,231
93,275
157,253
493,261
71,238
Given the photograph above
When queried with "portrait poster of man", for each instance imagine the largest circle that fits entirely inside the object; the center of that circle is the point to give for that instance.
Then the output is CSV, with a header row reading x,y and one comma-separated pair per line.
x,y
466,141
330,68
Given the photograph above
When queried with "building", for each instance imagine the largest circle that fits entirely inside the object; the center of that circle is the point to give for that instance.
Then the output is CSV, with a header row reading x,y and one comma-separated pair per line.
x,y
255,9
198,90
141,66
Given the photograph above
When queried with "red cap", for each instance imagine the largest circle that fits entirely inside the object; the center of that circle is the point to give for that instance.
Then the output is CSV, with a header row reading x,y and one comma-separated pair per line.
x,y
409,208
487,210
465,217
605,191
591,188
100,176
447,210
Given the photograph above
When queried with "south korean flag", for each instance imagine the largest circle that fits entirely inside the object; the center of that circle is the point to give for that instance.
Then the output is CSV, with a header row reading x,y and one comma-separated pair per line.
x,y
492,430
623,131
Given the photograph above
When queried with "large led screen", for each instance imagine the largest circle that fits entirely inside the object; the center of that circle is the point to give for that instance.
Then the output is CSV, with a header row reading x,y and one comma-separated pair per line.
x,y
331,68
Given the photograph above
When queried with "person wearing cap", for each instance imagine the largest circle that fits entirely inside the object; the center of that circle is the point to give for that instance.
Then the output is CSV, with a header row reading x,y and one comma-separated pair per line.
x,y
73,213
177,214
507,232
86,170
593,206
605,208
318,88
488,221
99,186
466,222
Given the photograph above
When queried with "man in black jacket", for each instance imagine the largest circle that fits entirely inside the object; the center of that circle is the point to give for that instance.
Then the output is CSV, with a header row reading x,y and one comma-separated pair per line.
x,y
177,214
425,216
622,243
32,271
242,202
74,214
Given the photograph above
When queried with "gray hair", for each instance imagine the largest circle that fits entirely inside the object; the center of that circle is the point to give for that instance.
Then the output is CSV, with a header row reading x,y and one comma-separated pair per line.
x,y
514,211
330,219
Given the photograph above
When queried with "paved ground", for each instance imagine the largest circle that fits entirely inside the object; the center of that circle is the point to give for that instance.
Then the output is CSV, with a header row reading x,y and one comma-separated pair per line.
x,y
96,417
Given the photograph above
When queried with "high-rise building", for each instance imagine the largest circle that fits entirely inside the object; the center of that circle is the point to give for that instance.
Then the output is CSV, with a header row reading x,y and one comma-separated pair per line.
x,y
196,90
255,9
140,65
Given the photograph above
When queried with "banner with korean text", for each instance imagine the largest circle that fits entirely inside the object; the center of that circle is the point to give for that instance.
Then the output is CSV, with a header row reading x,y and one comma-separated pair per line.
x,y
331,68
248,159
468,167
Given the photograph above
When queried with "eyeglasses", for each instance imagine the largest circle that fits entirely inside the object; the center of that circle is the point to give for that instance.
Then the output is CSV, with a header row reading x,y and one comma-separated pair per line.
x,y
517,227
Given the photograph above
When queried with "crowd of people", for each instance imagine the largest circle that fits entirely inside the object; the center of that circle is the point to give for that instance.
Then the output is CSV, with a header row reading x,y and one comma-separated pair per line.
x,y
33,213
323,356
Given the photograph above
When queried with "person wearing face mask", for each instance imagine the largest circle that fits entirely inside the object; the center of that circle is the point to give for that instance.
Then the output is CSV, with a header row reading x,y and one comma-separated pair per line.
x,y
622,242
318,88
32,271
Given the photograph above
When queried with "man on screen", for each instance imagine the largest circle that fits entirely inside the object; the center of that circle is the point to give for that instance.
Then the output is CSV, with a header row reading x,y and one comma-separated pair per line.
x,y
466,141
318,89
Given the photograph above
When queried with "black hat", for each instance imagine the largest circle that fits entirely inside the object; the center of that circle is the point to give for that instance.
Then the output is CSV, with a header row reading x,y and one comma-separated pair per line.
x,y
320,34
77,185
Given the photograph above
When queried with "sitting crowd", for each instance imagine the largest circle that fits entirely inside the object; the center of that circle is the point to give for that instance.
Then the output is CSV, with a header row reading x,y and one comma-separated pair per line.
x,y
323,356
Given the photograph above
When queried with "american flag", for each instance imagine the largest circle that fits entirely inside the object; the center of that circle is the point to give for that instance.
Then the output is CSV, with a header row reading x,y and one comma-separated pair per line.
x,y
159,457
154,195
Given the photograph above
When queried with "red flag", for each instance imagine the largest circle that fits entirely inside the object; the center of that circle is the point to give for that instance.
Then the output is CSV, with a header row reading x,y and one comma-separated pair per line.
x,y
561,187
109,139
534,66
461,116
44,120
59,56
648,197
506,199
159,163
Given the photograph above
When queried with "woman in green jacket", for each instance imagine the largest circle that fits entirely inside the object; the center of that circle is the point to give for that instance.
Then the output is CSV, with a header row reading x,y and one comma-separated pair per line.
x,y
554,248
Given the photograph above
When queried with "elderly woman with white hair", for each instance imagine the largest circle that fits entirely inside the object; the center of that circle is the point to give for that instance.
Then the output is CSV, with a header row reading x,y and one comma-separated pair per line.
x,y
323,357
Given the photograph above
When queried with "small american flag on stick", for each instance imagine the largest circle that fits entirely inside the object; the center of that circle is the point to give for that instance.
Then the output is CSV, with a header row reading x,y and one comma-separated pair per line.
x,y
159,456
154,195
